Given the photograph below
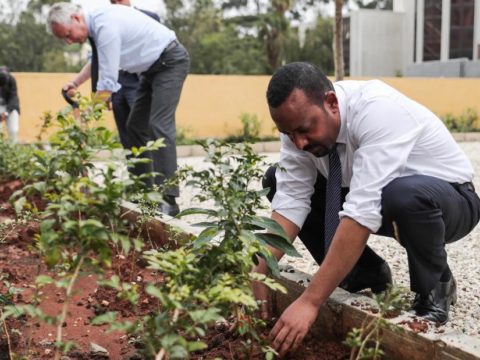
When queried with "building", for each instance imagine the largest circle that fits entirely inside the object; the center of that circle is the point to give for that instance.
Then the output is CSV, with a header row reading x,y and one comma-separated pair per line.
x,y
416,38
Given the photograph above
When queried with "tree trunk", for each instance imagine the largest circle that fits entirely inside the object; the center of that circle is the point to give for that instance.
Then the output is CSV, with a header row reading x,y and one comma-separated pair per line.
x,y
338,41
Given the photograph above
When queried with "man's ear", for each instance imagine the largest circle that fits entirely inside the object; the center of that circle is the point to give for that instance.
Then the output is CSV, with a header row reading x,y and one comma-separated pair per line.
x,y
75,17
331,101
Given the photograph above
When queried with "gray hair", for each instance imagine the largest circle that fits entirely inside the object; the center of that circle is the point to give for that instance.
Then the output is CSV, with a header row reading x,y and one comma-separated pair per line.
x,y
61,13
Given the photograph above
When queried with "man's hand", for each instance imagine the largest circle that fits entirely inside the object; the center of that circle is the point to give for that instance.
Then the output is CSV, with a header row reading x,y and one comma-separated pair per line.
x,y
70,88
295,322
3,116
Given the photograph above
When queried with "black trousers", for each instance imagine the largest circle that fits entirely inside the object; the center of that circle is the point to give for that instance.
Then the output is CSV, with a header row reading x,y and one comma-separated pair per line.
x,y
153,114
427,212
122,103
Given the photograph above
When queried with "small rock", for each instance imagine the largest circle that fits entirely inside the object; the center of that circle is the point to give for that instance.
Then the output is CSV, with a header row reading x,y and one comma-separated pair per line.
x,y
105,303
45,342
48,351
98,352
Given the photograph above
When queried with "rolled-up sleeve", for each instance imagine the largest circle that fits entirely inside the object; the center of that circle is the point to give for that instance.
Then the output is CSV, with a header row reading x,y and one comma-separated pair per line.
x,y
295,183
385,133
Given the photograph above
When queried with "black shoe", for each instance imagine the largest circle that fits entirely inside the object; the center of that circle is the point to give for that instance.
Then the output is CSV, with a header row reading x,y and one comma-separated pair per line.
x,y
377,279
169,209
435,305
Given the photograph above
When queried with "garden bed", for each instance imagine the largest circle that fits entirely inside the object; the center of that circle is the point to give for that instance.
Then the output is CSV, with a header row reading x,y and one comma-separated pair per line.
x,y
20,264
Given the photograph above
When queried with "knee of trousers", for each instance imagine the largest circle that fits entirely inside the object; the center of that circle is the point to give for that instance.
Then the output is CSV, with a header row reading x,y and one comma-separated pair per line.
x,y
401,199
269,181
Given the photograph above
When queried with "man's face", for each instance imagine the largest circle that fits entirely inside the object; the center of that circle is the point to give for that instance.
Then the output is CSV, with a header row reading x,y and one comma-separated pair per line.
x,y
120,2
309,126
74,33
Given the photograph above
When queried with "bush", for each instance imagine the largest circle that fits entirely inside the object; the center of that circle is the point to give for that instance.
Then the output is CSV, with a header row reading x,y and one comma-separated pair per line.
x,y
466,122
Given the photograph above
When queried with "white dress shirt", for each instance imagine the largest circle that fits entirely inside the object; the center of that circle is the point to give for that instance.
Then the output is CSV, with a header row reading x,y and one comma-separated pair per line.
x,y
126,39
383,135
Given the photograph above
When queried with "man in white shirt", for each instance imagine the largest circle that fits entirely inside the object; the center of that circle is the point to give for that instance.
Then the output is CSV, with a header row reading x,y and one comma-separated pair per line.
x,y
126,39
402,176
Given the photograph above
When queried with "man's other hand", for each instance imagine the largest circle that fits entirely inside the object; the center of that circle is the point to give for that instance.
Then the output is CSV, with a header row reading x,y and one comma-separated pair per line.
x,y
291,328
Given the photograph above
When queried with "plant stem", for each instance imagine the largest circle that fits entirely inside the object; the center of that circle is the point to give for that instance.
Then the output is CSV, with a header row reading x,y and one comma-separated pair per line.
x,y
63,314
367,338
162,351
7,335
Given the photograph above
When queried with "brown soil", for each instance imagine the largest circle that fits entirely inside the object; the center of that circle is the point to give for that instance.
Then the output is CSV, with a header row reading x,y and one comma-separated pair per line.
x,y
20,264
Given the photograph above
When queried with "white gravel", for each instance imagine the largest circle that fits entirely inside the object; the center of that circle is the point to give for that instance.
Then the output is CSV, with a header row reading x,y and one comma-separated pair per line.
x,y
464,255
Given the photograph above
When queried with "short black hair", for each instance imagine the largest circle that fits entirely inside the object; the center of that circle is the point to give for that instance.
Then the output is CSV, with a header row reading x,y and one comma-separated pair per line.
x,y
298,75
3,78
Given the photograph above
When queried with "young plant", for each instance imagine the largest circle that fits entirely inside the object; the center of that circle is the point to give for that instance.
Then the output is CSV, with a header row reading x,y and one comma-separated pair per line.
x,y
83,219
365,342
210,278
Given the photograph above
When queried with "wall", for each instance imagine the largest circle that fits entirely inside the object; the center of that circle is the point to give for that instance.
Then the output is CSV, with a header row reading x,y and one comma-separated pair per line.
x,y
211,105
376,43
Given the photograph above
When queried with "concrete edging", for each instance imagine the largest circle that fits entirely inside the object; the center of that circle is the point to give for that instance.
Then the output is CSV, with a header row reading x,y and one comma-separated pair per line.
x,y
338,316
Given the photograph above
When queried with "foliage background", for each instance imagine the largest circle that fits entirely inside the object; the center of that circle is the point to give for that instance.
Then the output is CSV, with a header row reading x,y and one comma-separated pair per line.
x,y
223,36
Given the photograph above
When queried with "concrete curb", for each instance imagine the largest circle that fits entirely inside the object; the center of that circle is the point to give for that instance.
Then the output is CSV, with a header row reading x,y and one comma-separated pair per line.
x,y
274,146
338,316
341,312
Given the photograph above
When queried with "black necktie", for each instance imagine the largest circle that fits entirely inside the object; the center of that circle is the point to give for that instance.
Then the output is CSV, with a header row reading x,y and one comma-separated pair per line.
x,y
94,64
333,203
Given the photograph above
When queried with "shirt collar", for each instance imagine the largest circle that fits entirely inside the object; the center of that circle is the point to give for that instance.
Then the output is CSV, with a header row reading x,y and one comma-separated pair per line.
x,y
342,106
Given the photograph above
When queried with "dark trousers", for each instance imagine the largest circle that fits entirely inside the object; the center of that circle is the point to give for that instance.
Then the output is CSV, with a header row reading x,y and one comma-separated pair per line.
x,y
122,103
428,213
153,113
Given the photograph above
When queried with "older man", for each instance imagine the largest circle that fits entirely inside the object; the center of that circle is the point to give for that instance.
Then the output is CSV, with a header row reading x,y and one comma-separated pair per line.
x,y
362,158
126,39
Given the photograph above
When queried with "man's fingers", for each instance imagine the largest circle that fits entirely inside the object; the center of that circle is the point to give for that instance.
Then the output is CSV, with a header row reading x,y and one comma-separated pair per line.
x,y
298,341
287,345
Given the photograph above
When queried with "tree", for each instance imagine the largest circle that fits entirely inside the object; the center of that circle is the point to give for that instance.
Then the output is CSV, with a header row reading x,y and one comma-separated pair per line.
x,y
338,41
26,46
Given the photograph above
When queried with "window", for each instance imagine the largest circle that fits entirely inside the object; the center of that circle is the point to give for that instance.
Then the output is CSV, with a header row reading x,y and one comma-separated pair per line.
x,y
461,28
432,30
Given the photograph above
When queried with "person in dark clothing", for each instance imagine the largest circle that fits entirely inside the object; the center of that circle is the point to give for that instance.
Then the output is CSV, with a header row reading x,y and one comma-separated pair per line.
x,y
9,104
122,100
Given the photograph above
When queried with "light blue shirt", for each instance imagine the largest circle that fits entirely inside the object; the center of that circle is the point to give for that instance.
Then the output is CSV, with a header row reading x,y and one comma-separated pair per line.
x,y
126,39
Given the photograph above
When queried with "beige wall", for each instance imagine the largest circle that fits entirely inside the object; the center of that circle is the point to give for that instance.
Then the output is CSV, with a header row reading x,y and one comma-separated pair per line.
x,y
212,105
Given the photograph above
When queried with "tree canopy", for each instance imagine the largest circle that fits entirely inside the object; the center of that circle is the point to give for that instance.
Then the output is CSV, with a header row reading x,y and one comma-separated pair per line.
x,y
222,36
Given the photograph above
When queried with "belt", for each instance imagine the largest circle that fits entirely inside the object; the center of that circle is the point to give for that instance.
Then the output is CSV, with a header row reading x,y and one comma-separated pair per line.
x,y
170,46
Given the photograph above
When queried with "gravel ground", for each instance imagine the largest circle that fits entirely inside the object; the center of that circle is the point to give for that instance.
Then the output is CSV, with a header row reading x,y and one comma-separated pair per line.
x,y
464,255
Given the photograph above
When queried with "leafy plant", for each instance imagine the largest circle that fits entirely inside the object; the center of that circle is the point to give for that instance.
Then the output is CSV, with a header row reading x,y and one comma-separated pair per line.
x,y
467,121
209,278
82,222
365,342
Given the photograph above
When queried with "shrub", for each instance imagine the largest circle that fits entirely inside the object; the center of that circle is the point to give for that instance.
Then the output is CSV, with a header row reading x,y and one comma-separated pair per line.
x,y
467,121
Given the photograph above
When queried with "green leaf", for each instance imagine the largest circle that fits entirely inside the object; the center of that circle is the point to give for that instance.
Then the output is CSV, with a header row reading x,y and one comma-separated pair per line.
x,y
271,261
206,235
19,204
197,211
278,242
205,316
107,318
42,280
266,223
196,345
